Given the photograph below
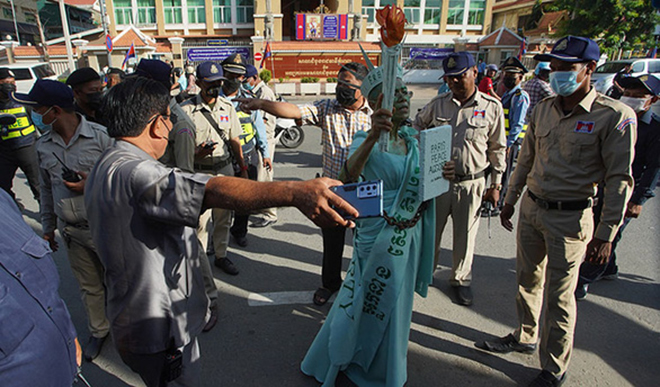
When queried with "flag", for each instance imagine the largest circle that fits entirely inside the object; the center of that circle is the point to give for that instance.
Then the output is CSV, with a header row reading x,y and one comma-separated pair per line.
x,y
523,49
129,54
653,53
267,53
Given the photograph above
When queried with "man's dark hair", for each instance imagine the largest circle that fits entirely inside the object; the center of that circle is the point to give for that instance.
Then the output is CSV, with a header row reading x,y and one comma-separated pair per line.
x,y
127,107
357,69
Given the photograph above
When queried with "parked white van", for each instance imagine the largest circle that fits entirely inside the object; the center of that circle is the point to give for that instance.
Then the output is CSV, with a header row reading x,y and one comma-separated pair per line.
x,y
26,74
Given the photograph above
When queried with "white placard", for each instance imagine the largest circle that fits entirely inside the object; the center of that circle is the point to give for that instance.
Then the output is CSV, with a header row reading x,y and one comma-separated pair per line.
x,y
435,151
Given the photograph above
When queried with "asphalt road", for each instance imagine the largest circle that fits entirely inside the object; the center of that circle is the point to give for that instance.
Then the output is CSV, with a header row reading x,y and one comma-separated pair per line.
x,y
268,321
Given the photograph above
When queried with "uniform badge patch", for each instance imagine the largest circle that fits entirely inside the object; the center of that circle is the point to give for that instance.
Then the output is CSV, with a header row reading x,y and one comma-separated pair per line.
x,y
628,121
478,113
584,127
451,63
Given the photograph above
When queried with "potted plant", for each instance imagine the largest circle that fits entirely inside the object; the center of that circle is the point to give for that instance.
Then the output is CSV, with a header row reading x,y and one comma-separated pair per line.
x,y
310,85
330,86
285,87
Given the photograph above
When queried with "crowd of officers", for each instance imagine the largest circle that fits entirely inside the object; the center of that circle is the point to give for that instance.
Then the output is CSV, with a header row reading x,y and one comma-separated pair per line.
x,y
571,147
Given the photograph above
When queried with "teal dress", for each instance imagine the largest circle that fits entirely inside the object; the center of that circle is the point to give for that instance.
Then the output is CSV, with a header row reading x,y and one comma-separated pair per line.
x,y
366,332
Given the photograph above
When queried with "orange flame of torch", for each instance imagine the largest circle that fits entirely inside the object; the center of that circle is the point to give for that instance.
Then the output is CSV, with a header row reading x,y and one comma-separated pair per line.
x,y
393,23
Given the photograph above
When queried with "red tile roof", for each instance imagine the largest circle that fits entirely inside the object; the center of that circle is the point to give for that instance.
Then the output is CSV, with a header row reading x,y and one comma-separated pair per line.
x,y
29,51
163,47
128,37
508,38
548,23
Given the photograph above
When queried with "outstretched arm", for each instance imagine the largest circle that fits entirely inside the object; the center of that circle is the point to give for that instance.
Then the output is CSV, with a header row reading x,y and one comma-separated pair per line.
x,y
278,109
312,197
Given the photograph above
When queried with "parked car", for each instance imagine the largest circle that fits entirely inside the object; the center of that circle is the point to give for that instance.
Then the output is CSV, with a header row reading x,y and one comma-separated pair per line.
x,y
28,73
603,77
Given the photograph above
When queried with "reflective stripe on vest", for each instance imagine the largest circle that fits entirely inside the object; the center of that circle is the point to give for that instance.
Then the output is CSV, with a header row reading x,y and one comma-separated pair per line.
x,y
248,129
507,127
21,127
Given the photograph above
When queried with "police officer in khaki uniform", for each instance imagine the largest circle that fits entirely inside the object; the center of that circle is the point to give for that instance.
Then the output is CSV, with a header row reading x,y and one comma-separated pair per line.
x,y
478,141
574,141
66,153
217,131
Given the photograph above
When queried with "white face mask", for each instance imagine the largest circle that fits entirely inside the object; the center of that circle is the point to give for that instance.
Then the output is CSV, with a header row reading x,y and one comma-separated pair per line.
x,y
637,104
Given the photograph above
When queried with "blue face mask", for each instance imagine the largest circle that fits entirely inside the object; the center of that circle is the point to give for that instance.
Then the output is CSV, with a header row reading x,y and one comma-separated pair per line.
x,y
247,86
565,83
38,120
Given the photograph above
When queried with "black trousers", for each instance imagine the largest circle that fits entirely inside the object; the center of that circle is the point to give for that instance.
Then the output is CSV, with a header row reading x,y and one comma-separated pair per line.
x,y
333,253
24,158
240,226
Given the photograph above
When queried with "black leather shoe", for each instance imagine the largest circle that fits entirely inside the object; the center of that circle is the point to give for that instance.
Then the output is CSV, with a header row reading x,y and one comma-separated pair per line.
x,y
463,295
212,320
505,345
581,291
226,265
240,240
546,379
263,223
93,347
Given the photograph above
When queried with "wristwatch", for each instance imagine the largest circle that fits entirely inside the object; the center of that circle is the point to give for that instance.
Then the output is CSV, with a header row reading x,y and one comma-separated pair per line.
x,y
496,186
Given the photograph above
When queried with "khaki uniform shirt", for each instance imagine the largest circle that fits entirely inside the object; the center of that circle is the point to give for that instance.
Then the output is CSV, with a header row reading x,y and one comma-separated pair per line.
x,y
180,151
227,119
80,154
262,91
477,131
565,157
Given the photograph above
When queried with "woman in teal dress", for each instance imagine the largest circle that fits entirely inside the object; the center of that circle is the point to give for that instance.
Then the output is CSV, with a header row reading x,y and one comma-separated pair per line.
x,y
366,332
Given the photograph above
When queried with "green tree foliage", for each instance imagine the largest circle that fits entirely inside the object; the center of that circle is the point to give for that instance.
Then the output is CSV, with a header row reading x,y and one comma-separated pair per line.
x,y
616,24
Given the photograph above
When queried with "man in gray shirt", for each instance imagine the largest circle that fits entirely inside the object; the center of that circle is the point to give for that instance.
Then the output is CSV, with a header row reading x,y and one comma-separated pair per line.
x,y
143,217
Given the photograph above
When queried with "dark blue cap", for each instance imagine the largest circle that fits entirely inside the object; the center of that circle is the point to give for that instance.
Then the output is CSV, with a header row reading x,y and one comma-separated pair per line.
x,y
83,75
154,69
209,72
250,71
646,81
46,93
572,49
457,63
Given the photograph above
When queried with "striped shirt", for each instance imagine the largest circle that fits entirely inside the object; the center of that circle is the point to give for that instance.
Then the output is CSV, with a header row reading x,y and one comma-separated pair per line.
x,y
339,125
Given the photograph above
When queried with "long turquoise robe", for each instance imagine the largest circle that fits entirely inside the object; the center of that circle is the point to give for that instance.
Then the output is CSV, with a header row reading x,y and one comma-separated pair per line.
x,y
366,332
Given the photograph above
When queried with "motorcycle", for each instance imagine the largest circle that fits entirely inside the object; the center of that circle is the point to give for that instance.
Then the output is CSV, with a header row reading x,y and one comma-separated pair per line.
x,y
288,132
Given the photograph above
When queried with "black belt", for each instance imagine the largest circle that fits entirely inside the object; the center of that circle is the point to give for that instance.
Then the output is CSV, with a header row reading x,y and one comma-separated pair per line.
x,y
572,205
474,176
215,167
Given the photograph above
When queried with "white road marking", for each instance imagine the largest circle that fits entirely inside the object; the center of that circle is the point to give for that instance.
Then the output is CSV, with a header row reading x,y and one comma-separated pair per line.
x,y
283,298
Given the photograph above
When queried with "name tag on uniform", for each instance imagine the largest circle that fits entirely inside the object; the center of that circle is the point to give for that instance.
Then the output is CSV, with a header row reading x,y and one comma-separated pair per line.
x,y
479,113
584,127
224,118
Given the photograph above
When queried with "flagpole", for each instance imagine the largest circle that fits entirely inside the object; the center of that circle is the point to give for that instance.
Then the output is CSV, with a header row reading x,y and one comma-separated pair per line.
x,y
272,61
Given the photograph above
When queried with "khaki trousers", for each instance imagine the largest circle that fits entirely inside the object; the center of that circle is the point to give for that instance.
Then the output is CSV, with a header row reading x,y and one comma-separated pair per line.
x,y
89,273
462,202
551,246
217,219
265,175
